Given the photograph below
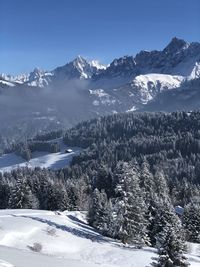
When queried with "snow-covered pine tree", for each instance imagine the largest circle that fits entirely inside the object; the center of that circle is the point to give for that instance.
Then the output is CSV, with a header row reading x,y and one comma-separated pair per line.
x,y
159,197
191,222
4,193
169,239
147,181
21,196
171,250
101,213
58,199
64,203
94,207
98,210
81,192
131,209
161,188
110,220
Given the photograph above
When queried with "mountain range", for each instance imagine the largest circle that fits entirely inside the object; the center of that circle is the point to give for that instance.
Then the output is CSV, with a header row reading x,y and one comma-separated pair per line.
x,y
166,80
127,83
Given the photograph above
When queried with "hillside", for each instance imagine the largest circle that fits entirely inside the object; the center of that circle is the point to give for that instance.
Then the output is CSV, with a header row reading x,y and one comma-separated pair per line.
x,y
132,172
66,240
42,159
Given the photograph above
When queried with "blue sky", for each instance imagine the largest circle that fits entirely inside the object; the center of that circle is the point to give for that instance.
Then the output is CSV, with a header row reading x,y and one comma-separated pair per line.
x,y
49,33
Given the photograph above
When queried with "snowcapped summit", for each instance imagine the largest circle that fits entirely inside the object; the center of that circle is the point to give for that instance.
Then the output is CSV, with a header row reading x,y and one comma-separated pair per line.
x,y
38,78
79,68
79,62
36,73
97,65
83,67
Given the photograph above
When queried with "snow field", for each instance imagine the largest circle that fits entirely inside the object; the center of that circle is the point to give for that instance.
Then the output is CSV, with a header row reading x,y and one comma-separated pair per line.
x,y
65,240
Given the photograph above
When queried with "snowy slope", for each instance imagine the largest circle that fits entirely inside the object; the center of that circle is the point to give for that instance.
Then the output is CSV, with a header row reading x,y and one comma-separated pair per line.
x,y
11,161
97,65
66,240
7,83
132,95
65,236
158,81
21,258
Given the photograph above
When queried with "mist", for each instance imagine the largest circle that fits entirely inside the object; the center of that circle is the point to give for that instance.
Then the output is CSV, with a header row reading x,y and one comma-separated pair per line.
x,y
26,111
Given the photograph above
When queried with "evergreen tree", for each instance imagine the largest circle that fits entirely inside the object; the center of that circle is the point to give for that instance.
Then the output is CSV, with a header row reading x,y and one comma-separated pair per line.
x,y
191,222
130,206
171,250
21,196
99,211
169,239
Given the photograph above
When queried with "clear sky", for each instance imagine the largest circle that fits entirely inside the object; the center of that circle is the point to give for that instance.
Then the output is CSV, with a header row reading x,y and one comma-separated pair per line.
x,y
49,33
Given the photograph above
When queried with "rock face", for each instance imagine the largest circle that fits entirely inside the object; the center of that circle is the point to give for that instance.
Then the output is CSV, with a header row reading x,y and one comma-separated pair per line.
x,y
128,83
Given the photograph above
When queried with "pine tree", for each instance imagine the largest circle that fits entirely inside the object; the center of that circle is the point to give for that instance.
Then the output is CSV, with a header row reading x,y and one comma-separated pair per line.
x,y
4,194
161,187
171,250
94,207
131,208
147,181
57,198
169,239
100,211
191,222
109,220
64,201
21,196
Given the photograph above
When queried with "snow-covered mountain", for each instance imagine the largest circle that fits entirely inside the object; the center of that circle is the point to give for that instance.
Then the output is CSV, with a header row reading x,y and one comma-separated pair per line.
x,y
186,97
128,83
177,58
79,68
133,81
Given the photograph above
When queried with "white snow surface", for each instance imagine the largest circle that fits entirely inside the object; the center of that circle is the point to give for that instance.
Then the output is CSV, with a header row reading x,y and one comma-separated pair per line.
x,y
195,71
163,81
7,83
66,240
54,161
95,63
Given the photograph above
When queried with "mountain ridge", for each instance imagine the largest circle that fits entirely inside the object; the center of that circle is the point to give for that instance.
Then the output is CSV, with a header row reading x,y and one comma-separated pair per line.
x,y
125,65
165,80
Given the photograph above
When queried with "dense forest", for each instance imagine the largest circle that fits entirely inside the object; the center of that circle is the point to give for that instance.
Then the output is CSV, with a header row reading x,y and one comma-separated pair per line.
x,y
133,171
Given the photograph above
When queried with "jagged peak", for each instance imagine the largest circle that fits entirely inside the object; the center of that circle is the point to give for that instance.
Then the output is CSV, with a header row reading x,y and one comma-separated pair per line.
x,y
122,60
176,45
37,70
80,59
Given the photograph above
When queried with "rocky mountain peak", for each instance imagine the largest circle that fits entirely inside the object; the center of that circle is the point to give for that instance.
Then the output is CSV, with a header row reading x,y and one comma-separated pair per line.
x,y
176,45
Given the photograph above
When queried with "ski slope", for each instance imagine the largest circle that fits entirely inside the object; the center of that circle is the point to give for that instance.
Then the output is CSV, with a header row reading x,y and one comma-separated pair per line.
x,y
64,239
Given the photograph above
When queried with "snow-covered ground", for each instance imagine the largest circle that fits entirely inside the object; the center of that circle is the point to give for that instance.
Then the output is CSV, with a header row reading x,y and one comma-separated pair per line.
x,y
64,239
48,160
6,83
159,81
